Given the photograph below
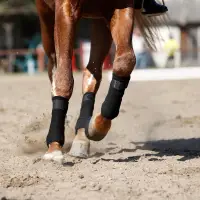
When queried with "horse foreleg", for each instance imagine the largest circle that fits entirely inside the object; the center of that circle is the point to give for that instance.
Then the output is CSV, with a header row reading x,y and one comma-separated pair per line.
x,y
121,29
100,45
62,78
47,20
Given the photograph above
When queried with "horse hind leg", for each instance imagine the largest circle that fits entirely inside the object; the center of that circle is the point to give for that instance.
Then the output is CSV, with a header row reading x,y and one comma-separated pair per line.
x,y
100,45
121,29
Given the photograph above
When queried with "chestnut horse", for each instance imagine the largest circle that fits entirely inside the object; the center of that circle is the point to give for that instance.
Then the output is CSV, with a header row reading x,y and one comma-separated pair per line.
x,y
113,21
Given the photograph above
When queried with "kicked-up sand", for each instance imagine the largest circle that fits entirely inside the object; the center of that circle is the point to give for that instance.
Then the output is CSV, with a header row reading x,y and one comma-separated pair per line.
x,y
151,152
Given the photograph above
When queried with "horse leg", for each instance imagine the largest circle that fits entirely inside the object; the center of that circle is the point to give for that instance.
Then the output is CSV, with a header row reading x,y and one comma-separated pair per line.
x,y
121,28
62,80
100,45
47,20
46,17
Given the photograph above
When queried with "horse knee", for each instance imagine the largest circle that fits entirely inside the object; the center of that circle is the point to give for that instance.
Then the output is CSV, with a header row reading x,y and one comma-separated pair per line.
x,y
62,82
124,63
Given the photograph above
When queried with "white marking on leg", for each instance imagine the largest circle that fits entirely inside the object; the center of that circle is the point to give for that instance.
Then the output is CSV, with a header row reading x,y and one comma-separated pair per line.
x,y
90,79
53,87
56,156
53,81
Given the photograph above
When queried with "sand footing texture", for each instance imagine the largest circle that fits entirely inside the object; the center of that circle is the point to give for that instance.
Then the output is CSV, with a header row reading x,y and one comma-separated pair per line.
x,y
151,152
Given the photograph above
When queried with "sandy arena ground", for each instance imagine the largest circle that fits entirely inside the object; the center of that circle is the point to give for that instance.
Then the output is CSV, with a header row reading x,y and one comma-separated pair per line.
x,y
152,151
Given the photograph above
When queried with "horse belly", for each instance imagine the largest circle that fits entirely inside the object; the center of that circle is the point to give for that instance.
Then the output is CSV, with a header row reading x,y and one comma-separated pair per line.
x,y
90,8
96,8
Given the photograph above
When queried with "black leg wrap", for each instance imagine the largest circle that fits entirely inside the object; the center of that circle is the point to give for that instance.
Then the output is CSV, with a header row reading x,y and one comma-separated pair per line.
x,y
87,108
57,126
112,103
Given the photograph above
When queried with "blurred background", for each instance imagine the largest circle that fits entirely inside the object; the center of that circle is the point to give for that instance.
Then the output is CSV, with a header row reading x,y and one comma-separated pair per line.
x,y
21,49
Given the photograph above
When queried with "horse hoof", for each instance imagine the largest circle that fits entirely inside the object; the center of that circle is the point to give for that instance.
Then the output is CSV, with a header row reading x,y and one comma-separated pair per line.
x,y
98,128
56,156
80,146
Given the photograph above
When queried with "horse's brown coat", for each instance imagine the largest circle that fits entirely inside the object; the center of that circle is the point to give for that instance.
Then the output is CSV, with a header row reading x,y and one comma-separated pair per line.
x,y
58,21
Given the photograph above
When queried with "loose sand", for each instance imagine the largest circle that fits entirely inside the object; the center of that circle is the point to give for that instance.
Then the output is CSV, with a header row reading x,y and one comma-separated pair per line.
x,y
152,151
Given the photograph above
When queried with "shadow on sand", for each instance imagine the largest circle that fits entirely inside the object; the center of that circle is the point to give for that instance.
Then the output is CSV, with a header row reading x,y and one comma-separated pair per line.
x,y
186,148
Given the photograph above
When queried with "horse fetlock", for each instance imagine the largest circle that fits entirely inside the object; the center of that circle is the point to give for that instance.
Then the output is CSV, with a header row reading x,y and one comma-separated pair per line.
x,y
57,126
98,128
112,103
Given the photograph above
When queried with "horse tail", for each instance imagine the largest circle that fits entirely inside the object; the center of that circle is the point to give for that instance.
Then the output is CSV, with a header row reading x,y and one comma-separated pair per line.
x,y
149,27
